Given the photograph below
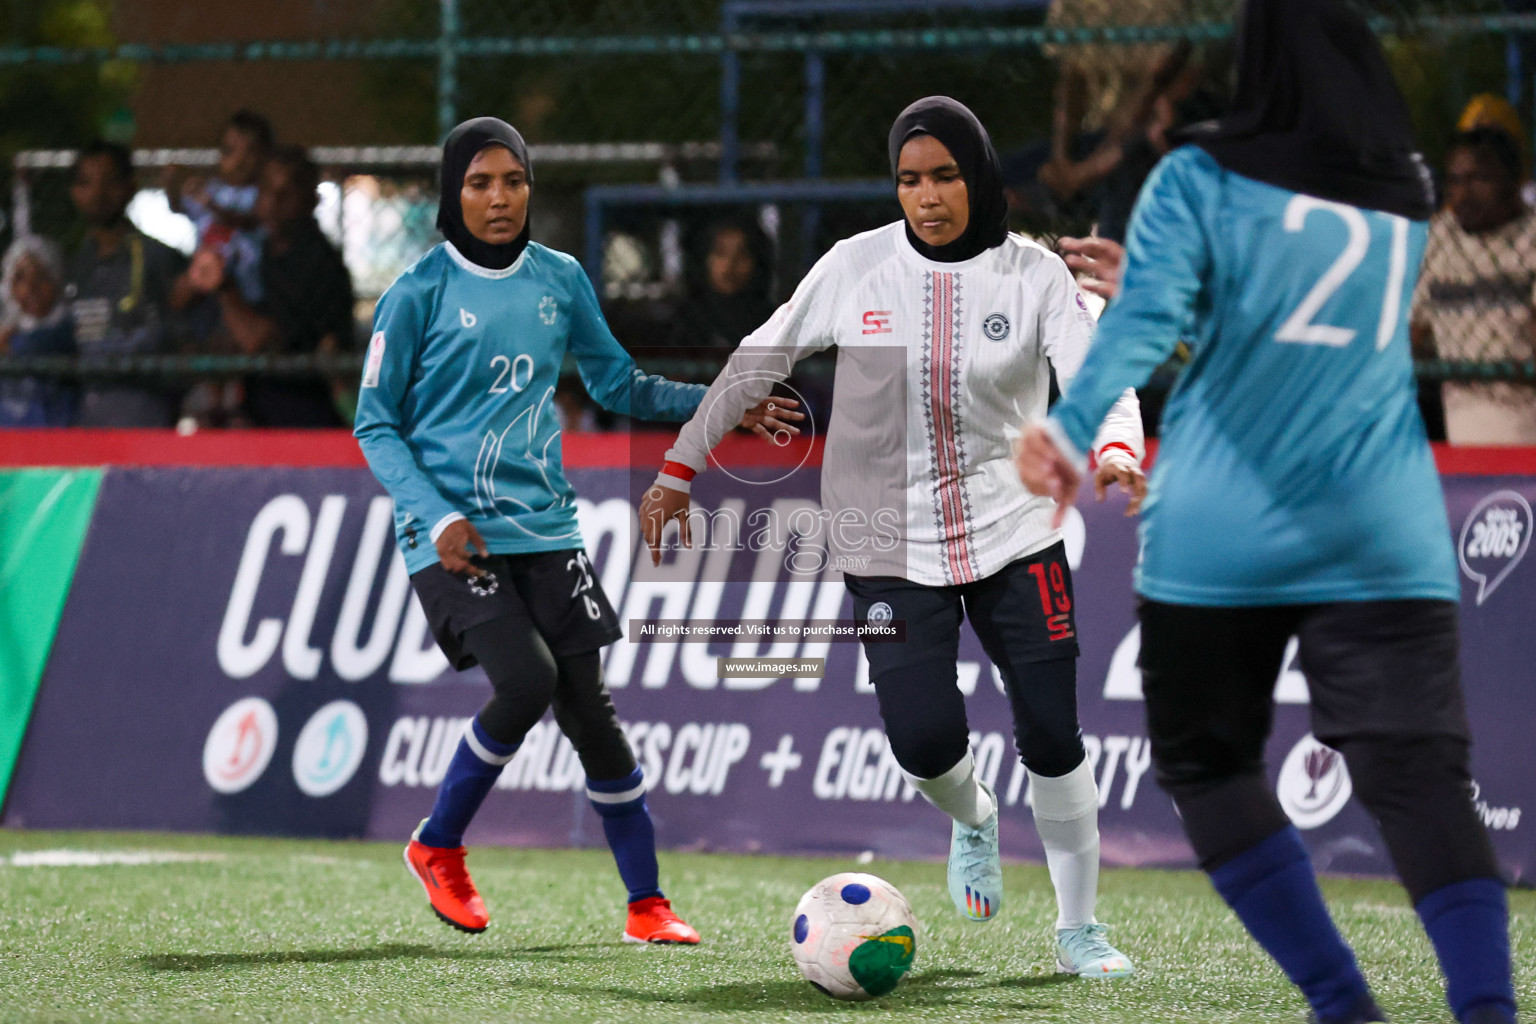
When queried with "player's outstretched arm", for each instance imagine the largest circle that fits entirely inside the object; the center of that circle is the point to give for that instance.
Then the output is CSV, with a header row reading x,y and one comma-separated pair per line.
x,y
1066,329
741,396
609,372
1046,470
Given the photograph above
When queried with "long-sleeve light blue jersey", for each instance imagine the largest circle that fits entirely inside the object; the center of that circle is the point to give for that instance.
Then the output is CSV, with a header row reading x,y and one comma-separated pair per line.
x,y
1293,466
456,413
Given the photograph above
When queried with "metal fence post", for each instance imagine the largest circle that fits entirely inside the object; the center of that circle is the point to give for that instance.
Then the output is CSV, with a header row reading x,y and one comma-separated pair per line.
x,y
448,70
730,99
815,97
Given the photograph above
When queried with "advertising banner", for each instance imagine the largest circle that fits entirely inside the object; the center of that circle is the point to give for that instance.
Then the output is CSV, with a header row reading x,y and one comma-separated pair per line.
x,y
44,514
242,653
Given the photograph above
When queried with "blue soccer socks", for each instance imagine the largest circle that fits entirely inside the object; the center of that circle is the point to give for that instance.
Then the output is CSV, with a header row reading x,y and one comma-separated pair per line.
x,y
631,836
1468,924
471,774
1273,891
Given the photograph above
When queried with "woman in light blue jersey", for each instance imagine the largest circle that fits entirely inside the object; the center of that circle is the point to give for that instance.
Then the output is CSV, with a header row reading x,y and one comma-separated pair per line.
x,y
456,417
1295,495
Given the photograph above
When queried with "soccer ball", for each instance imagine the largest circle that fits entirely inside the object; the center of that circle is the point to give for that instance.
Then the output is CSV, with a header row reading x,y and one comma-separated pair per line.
x,y
853,936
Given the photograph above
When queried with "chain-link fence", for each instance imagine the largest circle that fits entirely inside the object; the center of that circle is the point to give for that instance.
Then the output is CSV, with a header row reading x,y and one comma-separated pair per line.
x,y
662,126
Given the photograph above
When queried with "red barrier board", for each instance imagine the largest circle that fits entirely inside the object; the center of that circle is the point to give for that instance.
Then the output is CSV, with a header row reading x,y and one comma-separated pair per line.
x,y
337,449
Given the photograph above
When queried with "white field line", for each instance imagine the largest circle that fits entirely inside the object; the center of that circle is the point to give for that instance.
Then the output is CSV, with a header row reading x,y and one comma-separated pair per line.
x,y
102,858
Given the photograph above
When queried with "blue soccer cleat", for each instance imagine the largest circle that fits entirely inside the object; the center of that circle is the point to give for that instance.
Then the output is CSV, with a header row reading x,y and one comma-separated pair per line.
x,y
1086,952
975,869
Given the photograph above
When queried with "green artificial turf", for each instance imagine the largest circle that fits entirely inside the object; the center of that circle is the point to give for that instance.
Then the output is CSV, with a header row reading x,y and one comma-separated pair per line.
x,y
311,931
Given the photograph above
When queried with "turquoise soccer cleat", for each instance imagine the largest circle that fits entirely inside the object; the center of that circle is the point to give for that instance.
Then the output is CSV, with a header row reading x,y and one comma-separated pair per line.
x,y
1086,952
975,869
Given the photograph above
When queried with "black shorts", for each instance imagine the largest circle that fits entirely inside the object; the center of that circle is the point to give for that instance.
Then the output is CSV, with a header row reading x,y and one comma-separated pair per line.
x,y
557,590
1373,668
1023,613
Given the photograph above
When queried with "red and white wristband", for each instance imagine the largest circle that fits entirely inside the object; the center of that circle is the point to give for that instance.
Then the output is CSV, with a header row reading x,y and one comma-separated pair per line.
x,y
677,476
1117,453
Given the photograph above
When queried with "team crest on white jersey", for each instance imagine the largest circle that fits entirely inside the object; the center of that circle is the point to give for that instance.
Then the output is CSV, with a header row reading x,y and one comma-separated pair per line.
x,y
548,309
995,326
467,318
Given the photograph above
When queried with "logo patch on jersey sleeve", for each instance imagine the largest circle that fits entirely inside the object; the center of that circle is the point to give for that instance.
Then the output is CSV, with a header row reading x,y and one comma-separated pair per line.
x,y
1084,314
375,360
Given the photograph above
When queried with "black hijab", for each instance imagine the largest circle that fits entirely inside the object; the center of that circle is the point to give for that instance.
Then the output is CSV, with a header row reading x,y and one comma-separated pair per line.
x,y
1317,111
962,134
463,143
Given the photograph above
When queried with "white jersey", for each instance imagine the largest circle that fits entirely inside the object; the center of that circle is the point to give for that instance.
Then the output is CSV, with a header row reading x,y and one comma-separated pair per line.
x,y
939,366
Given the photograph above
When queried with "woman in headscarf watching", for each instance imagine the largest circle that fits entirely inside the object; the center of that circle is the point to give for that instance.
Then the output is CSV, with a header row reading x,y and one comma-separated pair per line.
x,y
1295,495
34,321
457,420
947,328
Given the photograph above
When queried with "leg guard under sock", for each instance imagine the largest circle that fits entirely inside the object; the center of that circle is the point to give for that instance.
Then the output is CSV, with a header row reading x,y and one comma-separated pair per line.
x,y
1273,891
473,771
1067,818
958,793
627,826
1468,924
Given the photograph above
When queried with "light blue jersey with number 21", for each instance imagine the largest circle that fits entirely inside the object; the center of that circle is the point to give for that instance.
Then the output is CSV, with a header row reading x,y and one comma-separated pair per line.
x,y
456,413
1293,466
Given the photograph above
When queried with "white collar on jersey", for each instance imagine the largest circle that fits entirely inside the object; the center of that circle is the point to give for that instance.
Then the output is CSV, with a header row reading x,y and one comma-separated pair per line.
x,y
899,236
465,263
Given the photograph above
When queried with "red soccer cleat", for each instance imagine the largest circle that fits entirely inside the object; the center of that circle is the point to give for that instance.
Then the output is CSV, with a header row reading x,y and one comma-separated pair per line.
x,y
452,895
652,920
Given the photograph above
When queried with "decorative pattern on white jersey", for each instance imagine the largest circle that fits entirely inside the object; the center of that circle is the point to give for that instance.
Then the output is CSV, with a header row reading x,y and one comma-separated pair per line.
x,y
942,354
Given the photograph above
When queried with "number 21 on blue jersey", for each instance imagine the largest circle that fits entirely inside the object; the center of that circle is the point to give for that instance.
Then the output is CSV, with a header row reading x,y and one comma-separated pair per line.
x,y
1301,326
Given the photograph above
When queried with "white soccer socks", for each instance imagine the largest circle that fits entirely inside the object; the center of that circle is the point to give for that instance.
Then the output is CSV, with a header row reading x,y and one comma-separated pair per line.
x,y
960,794
1067,818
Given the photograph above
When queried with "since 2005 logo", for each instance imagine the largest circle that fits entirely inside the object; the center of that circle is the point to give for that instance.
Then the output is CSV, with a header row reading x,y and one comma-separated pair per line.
x,y
240,745
329,748
1494,539
1314,783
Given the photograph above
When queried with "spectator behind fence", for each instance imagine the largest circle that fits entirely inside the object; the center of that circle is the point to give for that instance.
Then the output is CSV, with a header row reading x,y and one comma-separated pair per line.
x,y
120,289
1475,294
727,288
225,203
1489,110
35,322
1090,179
306,304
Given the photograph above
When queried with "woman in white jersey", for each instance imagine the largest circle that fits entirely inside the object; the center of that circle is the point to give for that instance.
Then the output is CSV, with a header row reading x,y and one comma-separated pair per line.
x,y
947,327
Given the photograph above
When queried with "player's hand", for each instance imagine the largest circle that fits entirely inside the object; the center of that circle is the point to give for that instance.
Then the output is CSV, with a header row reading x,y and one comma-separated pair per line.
x,y
1125,473
1045,470
1097,261
773,419
660,506
457,544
